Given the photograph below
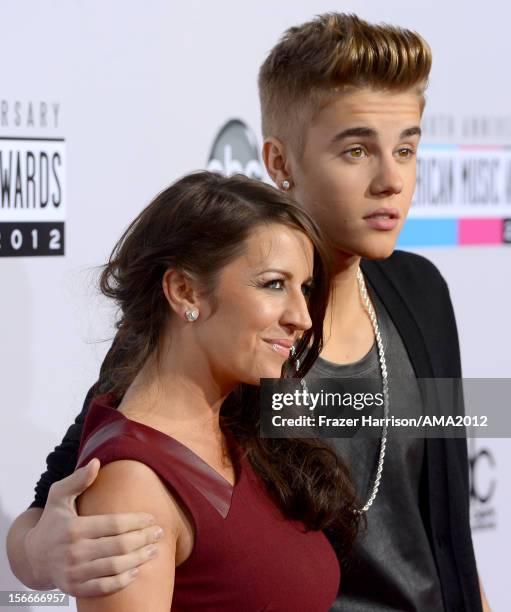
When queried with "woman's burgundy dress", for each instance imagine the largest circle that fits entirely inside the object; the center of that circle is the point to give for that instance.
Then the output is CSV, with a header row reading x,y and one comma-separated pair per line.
x,y
246,556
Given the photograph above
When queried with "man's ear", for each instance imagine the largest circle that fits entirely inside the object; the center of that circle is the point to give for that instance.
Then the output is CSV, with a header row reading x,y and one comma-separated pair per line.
x,y
275,160
181,292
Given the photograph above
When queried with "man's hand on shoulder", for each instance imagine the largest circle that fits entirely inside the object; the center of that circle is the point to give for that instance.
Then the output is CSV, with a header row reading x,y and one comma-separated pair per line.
x,y
80,554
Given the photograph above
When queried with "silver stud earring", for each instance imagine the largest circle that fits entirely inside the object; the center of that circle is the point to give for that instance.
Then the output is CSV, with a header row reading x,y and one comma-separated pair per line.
x,y
286,184
192,315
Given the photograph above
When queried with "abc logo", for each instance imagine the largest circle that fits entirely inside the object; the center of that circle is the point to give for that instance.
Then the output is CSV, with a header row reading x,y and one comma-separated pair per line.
x,y
235,151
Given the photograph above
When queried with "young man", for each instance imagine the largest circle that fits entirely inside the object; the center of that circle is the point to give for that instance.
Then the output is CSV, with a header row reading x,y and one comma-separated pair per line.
x,y
341,106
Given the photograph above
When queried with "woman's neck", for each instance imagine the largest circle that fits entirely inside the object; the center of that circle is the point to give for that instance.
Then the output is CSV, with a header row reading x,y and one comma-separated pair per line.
x,y
186,400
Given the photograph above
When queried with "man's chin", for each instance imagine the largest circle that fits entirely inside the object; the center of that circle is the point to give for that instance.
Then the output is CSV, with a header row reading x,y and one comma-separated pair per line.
x,y
377,247
376,253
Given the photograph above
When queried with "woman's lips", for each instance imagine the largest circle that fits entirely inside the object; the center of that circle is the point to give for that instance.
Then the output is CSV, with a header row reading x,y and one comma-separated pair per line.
x,y
280,346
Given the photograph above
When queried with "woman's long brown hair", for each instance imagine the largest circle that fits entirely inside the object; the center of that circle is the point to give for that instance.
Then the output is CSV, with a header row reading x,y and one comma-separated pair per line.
x,y
198,225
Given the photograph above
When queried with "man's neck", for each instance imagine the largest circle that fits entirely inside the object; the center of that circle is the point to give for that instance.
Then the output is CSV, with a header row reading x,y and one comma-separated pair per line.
x,y
347,330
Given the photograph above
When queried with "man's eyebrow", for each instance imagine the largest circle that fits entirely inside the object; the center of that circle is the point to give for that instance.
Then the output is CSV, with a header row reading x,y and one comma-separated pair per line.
x,y
365,132
361,132
413,131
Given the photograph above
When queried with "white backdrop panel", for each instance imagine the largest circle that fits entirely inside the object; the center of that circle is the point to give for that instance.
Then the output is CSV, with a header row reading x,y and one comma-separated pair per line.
x,y
142,89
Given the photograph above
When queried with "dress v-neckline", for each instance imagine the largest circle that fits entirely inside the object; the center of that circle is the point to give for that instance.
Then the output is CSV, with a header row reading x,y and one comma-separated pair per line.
x,y
104,423
234,453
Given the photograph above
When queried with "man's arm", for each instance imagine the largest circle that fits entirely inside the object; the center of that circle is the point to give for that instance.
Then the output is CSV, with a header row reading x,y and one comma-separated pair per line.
x,y
46,544
54,547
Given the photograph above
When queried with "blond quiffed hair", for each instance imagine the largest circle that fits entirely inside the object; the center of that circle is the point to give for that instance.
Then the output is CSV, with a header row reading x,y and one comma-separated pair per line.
x,y
319,59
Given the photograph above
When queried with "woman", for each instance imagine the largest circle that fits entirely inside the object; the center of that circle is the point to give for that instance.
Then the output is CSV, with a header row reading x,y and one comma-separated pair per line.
x,y
216,280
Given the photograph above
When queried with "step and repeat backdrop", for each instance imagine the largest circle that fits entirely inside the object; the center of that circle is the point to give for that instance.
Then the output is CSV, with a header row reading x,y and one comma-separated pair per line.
x,y
102,104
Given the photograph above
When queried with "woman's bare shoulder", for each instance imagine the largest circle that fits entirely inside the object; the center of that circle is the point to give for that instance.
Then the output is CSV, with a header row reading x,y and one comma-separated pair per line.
x,y
125,486
130,486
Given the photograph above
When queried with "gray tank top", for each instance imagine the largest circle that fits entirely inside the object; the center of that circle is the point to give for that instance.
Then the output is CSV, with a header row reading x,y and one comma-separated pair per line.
x,y
392,565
